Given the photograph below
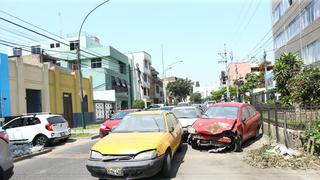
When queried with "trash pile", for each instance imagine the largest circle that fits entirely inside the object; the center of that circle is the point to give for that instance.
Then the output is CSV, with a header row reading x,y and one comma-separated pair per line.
x,y
278,156
21,149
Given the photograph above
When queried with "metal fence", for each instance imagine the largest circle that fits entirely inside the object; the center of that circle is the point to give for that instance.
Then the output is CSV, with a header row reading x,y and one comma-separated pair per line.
x,y
290,117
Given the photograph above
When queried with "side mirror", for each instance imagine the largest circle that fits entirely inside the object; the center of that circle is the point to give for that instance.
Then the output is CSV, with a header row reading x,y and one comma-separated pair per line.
x,y
171,129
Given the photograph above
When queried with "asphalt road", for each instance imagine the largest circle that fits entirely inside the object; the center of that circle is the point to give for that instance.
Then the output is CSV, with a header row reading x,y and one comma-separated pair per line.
x,y
67,162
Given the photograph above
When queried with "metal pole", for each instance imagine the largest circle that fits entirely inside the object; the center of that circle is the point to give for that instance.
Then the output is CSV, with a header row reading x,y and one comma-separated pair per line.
x,y
163,79
79,66
265,73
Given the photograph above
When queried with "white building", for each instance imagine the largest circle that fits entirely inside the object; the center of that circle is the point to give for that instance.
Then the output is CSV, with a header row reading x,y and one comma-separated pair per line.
x,y
141,75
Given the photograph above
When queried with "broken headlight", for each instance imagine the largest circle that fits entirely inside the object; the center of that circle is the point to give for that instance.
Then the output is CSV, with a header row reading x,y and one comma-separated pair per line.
x,y
191,130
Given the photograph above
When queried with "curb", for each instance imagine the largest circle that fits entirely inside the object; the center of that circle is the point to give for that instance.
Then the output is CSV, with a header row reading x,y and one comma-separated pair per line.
x,y
95,137
31,155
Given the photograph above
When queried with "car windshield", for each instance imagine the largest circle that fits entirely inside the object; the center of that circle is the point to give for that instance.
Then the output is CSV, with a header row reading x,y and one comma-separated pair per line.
x,y
185,113
222,112
119,115
141,123
56,119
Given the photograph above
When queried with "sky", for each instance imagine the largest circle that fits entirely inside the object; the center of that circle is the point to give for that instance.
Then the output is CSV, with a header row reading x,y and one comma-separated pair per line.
x,y
192,31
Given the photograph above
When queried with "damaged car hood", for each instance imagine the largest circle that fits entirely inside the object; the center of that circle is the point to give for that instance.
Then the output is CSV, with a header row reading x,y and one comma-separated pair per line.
x,y
213,126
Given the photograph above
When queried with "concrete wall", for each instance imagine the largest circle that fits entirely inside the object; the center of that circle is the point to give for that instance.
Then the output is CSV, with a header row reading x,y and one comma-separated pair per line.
x,y
5,109
291,138
24,76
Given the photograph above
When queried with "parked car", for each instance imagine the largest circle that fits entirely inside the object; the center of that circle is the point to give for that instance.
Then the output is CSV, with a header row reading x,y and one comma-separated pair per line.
x,y
155,106
40,129
6,160
210,103
167,108
225,125
113,121
187,115
183,104
142,145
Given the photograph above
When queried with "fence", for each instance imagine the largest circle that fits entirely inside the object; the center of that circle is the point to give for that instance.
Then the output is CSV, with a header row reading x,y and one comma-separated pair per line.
x,y
284,119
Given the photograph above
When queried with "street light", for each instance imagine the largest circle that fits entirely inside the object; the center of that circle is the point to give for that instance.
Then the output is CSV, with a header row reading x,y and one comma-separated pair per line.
x,y
79,65
164,70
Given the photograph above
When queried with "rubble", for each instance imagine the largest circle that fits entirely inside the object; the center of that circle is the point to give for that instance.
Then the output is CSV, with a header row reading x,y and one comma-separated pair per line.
x,y
278,156
21,149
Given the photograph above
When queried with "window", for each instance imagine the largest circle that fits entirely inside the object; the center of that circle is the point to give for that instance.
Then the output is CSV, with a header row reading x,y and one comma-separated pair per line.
x,y
122,67
310,53
56,120
15,123
244,115
74,45
148,89
145,91
73,65
145,77
146,64
96,63
51,45
57,45
170,121
161,94
251,110
157,89
29,121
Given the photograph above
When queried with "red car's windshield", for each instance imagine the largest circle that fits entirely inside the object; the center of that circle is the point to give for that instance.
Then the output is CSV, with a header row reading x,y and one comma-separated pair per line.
x,y
215,112
119,115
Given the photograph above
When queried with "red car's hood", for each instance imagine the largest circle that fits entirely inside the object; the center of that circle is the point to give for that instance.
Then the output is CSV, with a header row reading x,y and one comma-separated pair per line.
x,y
213,126
110,123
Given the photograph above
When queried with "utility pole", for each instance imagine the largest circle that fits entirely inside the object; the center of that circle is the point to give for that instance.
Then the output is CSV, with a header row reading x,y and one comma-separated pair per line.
x,y
265,73
224,56
163,79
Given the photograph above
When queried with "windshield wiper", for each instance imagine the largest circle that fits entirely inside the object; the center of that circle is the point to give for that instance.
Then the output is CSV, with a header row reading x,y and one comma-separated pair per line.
x,y
157,124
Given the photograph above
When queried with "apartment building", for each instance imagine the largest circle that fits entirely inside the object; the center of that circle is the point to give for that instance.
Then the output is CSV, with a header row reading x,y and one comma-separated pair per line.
x,y
296,28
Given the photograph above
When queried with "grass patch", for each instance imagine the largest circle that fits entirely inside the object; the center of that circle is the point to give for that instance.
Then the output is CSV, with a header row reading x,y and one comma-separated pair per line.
x,y
81,135
93,126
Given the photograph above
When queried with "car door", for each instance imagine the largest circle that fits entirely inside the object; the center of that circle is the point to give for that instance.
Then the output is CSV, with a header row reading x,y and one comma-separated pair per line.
x,y
173,132
177,129
245,123
31,128
255,119
14,128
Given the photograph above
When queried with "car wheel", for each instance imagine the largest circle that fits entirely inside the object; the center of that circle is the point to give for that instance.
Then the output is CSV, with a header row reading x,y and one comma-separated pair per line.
x,y
237,144
257,132
166,167
194,144
40,140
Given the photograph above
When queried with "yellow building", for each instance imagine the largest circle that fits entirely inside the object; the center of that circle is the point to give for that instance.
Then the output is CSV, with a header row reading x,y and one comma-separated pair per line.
x,y
44,87
65,95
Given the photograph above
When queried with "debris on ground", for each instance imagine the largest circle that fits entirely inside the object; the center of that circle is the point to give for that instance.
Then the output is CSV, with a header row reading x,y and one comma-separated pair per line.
x,y
216,150
25,148
278,156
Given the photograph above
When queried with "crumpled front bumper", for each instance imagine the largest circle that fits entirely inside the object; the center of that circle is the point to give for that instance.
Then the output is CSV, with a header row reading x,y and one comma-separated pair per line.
x,y
224,139
130,169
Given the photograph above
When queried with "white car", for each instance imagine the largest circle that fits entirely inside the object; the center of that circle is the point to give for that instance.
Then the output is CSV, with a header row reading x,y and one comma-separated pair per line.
x,y
6,159
187,115
40,129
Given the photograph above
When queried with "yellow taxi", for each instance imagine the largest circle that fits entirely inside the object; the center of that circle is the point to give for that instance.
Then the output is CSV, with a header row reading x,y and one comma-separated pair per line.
x,y
142,145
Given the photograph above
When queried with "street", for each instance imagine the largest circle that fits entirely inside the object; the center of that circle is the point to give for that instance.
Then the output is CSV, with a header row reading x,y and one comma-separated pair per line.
x,y
68,162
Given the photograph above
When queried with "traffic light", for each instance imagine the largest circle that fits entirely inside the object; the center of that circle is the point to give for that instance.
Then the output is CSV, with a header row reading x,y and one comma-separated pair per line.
x,y
223,77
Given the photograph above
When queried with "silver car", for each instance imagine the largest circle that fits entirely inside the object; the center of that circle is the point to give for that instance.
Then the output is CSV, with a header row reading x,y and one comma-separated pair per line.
x,y
6,159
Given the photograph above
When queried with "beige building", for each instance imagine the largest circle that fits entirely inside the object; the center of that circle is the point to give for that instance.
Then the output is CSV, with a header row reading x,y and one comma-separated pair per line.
x,y
296,28
29,86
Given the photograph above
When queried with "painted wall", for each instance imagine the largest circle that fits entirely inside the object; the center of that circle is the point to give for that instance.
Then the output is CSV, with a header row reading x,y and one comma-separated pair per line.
x,y
5,109
24,76
61,82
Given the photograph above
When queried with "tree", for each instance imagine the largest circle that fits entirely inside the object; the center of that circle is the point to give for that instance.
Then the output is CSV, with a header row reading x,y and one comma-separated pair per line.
x,y
138,104
305,87
196,98
285,68
222,93
252,81
180,89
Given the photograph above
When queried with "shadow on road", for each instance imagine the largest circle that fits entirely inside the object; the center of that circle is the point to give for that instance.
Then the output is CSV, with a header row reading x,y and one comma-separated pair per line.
x,y
60,143
177,161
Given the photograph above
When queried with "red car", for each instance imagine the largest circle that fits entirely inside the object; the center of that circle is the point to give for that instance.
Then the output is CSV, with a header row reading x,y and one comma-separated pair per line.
x,y
225,125
113,121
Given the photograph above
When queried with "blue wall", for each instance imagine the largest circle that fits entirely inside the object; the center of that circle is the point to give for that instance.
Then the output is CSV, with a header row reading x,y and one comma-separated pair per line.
x,y
4,86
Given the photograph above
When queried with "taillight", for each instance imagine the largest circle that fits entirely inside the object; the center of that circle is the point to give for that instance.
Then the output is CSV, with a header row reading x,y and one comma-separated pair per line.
x,y
4,136
49,127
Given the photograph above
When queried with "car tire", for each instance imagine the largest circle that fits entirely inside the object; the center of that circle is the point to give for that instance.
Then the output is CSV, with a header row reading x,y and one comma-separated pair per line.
x,y
166,166
237,144
180,148
257,134
194,144
1,174
40,140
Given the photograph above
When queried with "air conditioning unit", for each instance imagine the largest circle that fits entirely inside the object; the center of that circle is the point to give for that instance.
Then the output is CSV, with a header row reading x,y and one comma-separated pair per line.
x,y
17,51
35,49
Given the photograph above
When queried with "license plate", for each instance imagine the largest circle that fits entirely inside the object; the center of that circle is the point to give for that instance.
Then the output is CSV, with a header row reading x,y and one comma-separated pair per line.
x,y
115,171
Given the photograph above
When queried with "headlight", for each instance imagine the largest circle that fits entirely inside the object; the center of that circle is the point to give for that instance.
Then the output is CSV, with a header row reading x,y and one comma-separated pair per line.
x,y
146,155
191,130
95,155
